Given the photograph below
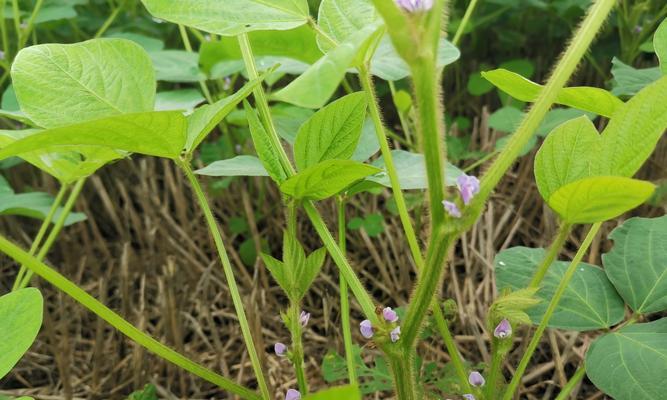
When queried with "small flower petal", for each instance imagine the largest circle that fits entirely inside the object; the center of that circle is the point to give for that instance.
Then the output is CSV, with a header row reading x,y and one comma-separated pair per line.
x,y
415,5
293,395
366,329
503,330
468,187
389,315
476,379
395,334
452,209
304,318
280,349
469,397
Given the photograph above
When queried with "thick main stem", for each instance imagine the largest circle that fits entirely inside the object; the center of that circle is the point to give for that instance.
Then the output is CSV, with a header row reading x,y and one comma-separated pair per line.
x,y
403,372
535,341
42,231
71,289
57,227
344,297
231,280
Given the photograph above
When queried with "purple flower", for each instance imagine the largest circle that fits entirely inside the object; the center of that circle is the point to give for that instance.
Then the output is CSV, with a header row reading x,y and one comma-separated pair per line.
x,y
389,315
415,5
452,209
304,318
293,395
280,349
468,186
476,379
395,334
469,397
503,330
366,329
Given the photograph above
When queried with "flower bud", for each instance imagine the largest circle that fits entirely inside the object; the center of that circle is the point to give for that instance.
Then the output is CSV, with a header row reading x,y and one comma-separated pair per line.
x,y
280,349
476,379
468,187
366,329
503,330
293,395
389,315
395,334
469,397
415,5
452,209
304,318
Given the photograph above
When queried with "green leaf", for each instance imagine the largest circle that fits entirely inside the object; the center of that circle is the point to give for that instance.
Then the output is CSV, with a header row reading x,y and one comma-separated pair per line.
x,y
599,198
630,364
368,142
232,17
63,84
326,179
506,119
388,65
237,166
148,43
590,301
288,119
66,166
149,392
205,118
342,19
660,45
411,169
176,66
332,133
157,133
637,264
311,268
569,153
265,150
315,86
634,130
349,392
628,80
34,205
595,100
477,85
20,320
179,99
375,379
55,12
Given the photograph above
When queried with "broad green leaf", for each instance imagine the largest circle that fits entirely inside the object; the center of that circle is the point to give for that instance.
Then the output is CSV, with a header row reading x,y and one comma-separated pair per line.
x,y
237,166
263,146
388,65
298,44
66,166
599,198
569,153
157,133
349,392
637,264
63,84
375,379
634,130
660,45
288,119
506,119
34,205
596,100
326,179
176,66
149,392
232,17
411,169
631,364
341,19
315,86
205,118
55,12
628,80
148,43
179,99
332,133
20,320
590,301
368,142
18,116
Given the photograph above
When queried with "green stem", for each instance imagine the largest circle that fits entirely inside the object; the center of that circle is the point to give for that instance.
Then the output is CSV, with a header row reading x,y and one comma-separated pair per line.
x,y
401,116
23,36
450,344
494,373
554,250
344,297
229,275
568,63
188,48
42,231
297,348
464,22
3,30
57,227
71,289
402,367
572,383
112,17
567,277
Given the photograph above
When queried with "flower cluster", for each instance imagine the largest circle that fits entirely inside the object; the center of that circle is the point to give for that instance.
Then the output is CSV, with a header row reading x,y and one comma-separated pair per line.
x,y
390,318
281,350
468,187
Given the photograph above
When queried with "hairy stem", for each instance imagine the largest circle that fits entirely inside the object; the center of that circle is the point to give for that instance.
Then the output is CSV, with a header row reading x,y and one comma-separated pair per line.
x,y
57,227
344,297
535,341
297,347
42,231
554,250
71,289
229,275
403,371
